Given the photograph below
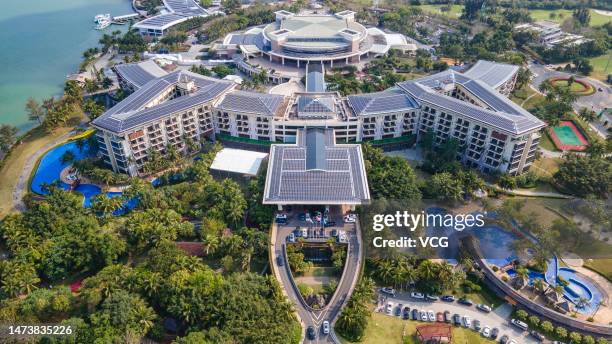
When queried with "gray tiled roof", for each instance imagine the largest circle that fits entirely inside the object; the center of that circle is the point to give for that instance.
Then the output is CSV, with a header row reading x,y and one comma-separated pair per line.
x,y
316,171
315,78
380,102
251,102
310,104
187,7
492,73
162,20
132,112
139,73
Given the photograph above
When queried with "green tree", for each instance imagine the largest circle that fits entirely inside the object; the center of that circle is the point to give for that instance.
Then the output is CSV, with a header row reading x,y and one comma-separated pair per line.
x,y
444,186
8,136
522,315
34,110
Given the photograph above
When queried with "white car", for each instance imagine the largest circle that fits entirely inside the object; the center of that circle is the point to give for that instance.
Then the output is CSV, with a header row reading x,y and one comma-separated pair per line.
x,y
423,315
431,315
483,308
416,295
350,218
486,332
389,308
467,322
326,327
291,237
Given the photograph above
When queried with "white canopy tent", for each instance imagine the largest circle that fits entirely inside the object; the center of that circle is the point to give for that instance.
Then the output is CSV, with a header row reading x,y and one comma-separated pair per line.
x,y
238,161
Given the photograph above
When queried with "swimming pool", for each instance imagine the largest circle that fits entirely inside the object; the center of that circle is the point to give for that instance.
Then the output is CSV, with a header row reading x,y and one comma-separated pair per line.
x,y
50,167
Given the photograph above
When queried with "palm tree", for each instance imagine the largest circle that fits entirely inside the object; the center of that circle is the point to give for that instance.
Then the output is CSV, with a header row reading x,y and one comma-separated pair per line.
x,y
539,284
583,302
211,242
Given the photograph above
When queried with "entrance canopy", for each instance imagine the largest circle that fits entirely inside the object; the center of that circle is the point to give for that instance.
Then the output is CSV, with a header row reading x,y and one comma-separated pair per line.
x,y
238,161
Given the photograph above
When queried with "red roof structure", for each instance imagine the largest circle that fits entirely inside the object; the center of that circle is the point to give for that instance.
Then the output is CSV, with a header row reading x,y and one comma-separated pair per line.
x,y
434,333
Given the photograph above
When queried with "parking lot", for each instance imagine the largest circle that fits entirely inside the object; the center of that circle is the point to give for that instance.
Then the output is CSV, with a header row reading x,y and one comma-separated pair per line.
x,y
310,227
498,318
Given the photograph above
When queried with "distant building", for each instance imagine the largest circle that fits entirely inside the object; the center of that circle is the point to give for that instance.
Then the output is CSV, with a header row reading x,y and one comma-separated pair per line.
x,y
177,11
550,34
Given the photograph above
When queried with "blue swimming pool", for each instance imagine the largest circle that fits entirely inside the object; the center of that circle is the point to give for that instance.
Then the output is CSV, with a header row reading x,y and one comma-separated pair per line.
x,y
50,167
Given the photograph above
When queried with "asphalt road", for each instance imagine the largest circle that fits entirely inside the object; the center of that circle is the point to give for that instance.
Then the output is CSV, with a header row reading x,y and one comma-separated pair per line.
x,y
308,316
499,317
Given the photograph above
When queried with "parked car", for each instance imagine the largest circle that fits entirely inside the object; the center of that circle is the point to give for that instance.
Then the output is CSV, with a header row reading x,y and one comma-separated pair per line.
x,y
448,298
280,261
423,315
465,301
291,237
457,319
537,335
494,333
431,316
467,321
431,297
440,317
484,308
302,217
519,324
281,218
334,232
350,218
415,314
310,333
504,339
486,331
388,290
304,232
389,307
398,310
447,317
406,313
477,326
417,296
326,327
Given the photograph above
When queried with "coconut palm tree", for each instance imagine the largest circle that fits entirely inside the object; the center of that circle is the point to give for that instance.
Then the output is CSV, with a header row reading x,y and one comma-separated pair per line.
x,y
211,242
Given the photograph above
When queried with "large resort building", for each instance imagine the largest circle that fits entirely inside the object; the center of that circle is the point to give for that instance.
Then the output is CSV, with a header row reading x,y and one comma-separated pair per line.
x,y
496,134
300,39
174,13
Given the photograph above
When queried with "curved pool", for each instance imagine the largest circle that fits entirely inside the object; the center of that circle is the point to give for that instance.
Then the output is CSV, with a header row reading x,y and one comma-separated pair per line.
x,y
51,166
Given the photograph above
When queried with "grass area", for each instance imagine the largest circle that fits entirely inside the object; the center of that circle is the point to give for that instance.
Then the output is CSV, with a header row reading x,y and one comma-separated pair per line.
x,y
521,94
574,87
546,142
485,296
384,329
318,271
35,140
534,101
602,66
561,14
602,266
455,10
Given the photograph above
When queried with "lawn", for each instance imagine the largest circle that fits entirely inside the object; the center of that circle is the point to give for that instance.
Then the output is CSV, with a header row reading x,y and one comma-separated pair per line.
x,y
596,18
13,165
485,296
533,101
455,11
575,87
602,266
602,66
384,329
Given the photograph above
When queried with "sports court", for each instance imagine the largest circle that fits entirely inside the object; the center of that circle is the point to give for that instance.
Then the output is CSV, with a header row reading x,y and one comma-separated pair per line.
x,y
566,136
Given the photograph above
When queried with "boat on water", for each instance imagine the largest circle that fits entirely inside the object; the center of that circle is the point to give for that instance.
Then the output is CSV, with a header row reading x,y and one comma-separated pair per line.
x,y
102,24
101,17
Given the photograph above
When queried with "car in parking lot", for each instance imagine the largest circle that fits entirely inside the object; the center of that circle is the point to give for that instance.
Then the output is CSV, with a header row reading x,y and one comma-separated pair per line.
x,y
304,232
388,290
389,307
448,298
415,314
494,333
537,335
310,333
280,261
519,324
447,317
504,339
350,218
477,326
417,296
326,327
484,308
440,317
467,321
406,313
465,301
457,319
423,315
302,217
486,331
431,297
291,237
281,218
334,232
398,310
431,316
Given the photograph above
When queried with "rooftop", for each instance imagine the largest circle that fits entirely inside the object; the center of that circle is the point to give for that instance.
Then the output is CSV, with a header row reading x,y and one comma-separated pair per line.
x,y
381,102
492,73
315,170
252,102
238,161
139,73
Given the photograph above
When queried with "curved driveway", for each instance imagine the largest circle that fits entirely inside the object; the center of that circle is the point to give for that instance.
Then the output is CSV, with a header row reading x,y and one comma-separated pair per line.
x,y
308,316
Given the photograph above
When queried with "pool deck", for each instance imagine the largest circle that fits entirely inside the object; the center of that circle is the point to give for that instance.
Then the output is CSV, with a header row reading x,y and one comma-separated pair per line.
x,y
604,312
85,180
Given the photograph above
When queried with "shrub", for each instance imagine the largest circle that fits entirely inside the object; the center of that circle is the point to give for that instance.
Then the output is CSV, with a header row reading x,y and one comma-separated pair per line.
x,y
521,314
547,326
575,337
495,268
534,320
505,278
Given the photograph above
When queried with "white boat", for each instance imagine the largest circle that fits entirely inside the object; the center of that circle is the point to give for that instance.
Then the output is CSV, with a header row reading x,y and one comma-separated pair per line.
x,y
100,17
102,24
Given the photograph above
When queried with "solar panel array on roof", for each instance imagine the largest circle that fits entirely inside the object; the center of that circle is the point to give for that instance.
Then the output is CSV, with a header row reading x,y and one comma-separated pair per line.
x,y
252,102
493,98
308,104
315,78
380,102
316,172
161,20
139,73
189,7
492,73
